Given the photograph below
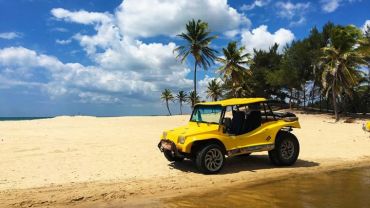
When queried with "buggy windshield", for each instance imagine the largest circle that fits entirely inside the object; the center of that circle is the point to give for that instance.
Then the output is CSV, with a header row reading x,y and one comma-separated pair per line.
x,y
207,114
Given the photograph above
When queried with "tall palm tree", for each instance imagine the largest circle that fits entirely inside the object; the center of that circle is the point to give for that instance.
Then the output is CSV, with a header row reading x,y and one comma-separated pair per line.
x,y
340,61
193,98
198,39
214,90
181,97
364,48
234,65
167,96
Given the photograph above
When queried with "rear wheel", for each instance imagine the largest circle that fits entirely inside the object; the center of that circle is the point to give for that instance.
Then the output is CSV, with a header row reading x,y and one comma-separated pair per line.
x,y
286,149
210,159
170,157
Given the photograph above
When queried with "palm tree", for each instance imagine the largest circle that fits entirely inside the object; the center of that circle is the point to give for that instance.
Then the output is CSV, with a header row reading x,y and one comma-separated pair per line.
x,y
167,96
198,39
214,90
193,98
364,49
340,61
181,97
234,65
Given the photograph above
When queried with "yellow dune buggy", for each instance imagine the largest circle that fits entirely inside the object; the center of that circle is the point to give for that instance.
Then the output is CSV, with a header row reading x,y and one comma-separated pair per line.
x,y
232,127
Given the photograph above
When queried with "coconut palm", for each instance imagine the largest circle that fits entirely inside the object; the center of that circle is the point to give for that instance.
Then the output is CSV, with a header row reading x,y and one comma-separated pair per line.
x,y
198,39
244,89
214,90
234,65
181,97
364,49
167,96
340,62
193,98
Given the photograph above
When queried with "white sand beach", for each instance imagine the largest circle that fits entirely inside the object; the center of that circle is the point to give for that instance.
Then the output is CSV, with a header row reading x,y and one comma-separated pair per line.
x,y
84,161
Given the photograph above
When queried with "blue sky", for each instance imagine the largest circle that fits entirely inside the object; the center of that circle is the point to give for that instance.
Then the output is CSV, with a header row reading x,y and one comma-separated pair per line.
x,y
111,58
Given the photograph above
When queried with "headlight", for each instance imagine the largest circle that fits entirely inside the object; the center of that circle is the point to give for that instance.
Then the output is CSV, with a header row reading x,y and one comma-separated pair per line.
x,y
164,135
181,139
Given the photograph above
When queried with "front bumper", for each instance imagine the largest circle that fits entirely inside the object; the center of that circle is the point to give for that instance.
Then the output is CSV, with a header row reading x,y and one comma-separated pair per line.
x,y
168,145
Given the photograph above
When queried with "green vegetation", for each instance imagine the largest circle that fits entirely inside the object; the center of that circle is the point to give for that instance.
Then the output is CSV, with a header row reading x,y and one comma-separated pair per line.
x,y
233,69
198,39
339,61
181,97
193,98
324,70
167,96
214,90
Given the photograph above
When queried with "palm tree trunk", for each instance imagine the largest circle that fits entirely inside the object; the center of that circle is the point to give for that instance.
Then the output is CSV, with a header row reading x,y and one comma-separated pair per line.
x,y
327,104
313,93
180,107
290,99
298,99
304,96
234,92
234,79
168,108
335,104
320,102
195,80
320,93
368,90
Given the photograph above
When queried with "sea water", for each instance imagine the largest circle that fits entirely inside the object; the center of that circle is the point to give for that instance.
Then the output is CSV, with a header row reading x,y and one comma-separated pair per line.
x,y
21,118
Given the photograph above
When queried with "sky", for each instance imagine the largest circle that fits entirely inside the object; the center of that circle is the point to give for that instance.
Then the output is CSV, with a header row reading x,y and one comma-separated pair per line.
x,y
114,57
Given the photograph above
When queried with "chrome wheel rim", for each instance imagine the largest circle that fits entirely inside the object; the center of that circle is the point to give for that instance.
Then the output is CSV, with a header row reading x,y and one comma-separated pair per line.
x,y
214,159
287,149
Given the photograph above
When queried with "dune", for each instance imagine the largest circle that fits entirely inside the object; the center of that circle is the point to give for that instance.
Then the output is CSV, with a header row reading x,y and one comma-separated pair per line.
x,y
87,161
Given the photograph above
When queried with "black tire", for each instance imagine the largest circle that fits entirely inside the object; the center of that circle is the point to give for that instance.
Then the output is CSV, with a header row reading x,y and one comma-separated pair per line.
x,y
210,159
170,157
286,149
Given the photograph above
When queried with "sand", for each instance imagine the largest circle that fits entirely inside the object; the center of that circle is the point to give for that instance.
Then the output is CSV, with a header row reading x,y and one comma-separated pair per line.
x,y
100,162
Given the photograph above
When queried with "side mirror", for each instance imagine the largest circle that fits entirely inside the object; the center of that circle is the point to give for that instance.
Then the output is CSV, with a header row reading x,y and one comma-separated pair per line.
x,y
227,124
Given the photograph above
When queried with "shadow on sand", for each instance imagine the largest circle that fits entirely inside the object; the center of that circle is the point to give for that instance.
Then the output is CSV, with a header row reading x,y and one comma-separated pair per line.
x,y
242,163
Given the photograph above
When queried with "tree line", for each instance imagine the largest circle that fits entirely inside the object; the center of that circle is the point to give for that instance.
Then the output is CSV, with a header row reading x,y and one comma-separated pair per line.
x,y
325,70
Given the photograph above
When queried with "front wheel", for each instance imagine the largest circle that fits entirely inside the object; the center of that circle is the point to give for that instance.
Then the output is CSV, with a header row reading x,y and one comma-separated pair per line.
x,y
172,158
210,159
286,149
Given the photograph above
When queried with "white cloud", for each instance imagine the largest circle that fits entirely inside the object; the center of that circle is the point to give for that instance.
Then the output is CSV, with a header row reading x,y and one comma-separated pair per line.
x,y
69,78
298,22
138,18
90,97
82,16
154,63
366,24
332,5
294,12
63,42
256,3
231,33
261,38
289,10
60,29
123,67
329,5
6,83
127,68
10,35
